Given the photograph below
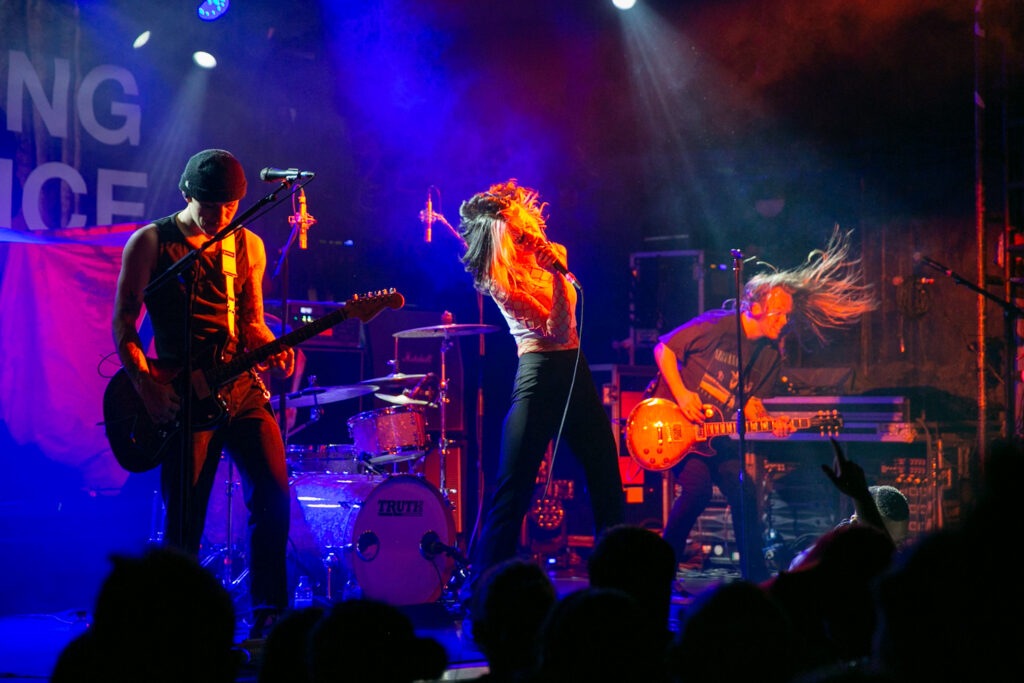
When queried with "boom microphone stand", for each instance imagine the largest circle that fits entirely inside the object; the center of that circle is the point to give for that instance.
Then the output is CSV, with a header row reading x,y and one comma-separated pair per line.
x,y
741,421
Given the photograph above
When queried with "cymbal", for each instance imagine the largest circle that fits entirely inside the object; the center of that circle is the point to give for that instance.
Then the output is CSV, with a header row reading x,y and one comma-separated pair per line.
x,y
316,396
403,400
453,330
395,379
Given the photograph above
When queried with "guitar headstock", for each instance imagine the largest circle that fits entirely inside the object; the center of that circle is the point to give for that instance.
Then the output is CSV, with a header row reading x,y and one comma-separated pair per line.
x,y
829,422
367,306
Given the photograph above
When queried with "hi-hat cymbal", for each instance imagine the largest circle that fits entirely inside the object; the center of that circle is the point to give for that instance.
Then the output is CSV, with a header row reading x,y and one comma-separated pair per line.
x,y
453,330
395,379
403,400
316,396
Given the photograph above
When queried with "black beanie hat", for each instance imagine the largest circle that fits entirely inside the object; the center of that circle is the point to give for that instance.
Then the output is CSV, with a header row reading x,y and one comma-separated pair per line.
x,y
213,175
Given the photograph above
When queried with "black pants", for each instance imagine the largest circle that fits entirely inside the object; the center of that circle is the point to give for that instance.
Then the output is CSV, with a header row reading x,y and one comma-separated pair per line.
x,y
538,400
251,438
695,476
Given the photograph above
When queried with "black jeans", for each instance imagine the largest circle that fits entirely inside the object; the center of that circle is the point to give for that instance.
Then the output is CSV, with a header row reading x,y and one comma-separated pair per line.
x,y
695,476
538,400
252,439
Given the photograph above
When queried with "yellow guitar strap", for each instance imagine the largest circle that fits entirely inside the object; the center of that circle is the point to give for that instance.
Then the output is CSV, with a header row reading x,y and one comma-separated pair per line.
x,y
229,265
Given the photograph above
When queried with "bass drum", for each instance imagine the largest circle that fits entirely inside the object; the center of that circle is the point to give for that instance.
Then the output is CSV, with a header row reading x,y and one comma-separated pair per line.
x,y
396,542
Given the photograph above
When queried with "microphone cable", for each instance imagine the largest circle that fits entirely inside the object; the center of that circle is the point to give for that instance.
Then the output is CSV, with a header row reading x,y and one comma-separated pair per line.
x,y
568,398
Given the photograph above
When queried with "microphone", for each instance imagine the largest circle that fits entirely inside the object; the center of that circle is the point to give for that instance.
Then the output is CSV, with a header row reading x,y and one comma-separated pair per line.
x,y
303,221
559,266
288,175
427,216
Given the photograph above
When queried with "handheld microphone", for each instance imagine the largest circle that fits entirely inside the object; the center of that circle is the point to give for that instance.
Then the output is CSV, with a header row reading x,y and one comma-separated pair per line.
x,y
428,217
272,175
559,266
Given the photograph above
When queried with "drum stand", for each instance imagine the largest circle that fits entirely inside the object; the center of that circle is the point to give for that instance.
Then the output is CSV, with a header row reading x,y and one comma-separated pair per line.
x,y
226,552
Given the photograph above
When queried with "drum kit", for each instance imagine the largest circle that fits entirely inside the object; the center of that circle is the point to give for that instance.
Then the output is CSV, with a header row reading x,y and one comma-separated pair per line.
x,y
385,535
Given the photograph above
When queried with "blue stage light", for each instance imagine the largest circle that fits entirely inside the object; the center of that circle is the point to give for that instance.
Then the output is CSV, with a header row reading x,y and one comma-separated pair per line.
x,y
212,9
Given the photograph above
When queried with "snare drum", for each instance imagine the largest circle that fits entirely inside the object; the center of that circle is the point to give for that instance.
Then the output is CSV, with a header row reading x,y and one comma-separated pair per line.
x,y
389,435
330,458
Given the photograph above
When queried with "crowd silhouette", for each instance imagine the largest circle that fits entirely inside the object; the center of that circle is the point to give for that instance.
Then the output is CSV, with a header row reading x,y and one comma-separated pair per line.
x,y
856,607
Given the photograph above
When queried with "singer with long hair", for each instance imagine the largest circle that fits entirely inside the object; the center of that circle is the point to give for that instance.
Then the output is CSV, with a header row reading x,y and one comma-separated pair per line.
x,y
511,260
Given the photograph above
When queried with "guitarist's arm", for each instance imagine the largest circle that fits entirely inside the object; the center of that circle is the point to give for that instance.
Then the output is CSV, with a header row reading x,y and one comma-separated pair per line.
x,y
668,365
137,264
254,329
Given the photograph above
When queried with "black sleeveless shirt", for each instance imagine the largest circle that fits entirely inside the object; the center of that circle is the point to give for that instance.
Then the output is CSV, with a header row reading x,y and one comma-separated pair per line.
x,y
168,305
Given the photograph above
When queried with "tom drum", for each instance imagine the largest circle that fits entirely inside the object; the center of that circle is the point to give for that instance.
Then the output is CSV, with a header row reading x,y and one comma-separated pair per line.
x,y
389,435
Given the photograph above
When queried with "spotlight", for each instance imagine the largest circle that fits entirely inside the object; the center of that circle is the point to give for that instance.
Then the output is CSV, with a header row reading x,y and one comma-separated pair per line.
x,y
212,9
141,40
204,59
624,4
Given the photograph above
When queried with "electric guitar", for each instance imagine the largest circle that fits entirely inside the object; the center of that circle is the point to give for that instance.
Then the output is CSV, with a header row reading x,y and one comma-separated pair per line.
x,y
658,435
139,444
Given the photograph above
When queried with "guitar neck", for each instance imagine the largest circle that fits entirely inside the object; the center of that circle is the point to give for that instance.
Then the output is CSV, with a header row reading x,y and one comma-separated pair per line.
x,y
243,362
710,430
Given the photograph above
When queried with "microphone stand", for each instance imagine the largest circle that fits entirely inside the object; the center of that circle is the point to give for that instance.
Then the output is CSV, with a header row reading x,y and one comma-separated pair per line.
x,y
190,262
1011,314
299,227
741,420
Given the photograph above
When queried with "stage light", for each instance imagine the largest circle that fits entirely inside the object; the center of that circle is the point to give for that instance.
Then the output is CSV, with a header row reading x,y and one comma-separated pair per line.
x,y
212,9
141,40
204,59
624,4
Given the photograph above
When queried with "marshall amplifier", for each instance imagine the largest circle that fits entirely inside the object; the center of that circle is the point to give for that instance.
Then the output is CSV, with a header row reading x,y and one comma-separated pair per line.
x,y
348,334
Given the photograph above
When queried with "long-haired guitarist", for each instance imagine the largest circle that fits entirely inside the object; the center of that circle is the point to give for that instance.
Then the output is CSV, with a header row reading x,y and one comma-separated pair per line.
x,y
227,319
698,370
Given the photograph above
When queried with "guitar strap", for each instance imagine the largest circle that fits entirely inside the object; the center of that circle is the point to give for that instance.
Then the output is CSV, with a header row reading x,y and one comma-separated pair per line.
x,y
229,266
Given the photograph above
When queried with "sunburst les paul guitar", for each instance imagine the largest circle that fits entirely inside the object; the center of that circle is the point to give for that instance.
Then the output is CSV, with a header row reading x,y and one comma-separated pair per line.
x,y
658,435
139,444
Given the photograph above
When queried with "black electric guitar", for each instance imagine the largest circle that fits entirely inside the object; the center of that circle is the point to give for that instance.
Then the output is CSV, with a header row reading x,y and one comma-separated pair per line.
x,y
139,444
658,435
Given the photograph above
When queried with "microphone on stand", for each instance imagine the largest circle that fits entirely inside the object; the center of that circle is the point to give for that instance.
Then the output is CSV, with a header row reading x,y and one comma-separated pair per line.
x,y
272,175
427,216
302,219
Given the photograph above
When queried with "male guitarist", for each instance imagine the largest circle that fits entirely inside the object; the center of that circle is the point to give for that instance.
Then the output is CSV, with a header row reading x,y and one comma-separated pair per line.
x,y
227,318
697,364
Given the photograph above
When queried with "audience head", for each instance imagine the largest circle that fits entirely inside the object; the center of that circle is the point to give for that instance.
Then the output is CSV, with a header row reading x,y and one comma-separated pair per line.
x,y
158,617
368,641
639,562
895,511
734,632
598,634
286,652
509,607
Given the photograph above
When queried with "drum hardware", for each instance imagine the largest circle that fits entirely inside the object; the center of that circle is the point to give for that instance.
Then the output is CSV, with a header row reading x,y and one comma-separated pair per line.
x,y
445,333
313,397
394,380
403,400
226,554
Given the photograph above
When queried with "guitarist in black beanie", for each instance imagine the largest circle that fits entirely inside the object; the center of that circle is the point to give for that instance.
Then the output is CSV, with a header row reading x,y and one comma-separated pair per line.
x,y
228,319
